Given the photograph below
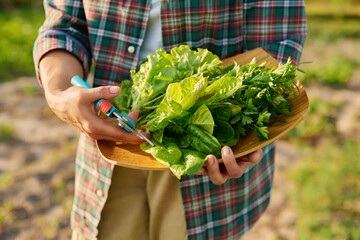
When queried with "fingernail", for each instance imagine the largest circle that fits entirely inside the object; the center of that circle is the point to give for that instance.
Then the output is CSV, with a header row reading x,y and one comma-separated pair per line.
x,y
226,150
210,160
114,89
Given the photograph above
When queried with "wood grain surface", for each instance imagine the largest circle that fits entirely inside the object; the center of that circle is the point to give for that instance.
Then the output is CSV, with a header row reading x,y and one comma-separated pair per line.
x,y
132,156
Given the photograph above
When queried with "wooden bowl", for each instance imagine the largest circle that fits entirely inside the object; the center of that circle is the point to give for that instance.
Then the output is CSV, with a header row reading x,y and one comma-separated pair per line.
x,y
132,156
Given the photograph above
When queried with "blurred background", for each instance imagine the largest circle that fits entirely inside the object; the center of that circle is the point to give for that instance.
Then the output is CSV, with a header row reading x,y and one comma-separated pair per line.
x,y
317,186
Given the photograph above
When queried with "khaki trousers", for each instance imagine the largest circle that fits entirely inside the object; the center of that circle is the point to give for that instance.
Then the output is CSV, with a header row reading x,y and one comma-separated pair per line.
x,y
144,205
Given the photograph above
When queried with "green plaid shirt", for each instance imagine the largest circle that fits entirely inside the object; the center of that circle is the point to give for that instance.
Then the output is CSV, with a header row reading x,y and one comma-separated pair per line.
x,y
109,34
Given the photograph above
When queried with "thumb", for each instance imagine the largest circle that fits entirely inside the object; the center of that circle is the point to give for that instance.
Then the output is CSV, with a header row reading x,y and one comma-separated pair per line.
x,y
106,92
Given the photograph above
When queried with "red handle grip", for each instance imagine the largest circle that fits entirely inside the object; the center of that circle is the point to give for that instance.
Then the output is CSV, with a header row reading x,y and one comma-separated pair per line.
x,y
104,106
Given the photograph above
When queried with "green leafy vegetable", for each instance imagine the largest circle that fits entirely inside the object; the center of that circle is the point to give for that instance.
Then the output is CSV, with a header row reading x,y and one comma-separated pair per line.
x,y
195,63
153,78
122,101
191,107
203,141
203,119
178,99
223,88
223,131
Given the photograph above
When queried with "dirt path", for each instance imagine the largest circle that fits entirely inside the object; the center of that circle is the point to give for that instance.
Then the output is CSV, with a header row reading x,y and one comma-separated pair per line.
x,y
36,165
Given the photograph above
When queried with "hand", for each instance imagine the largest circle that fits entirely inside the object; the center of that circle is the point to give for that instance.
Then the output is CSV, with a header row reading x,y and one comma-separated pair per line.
x,y
231,167
75,106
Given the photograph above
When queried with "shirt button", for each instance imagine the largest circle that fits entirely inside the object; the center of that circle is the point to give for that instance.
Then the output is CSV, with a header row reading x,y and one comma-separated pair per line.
x,y
100,193
131,49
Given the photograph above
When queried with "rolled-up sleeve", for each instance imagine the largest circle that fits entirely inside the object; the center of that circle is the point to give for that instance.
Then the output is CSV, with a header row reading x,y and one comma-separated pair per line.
x,y
279,27
64,28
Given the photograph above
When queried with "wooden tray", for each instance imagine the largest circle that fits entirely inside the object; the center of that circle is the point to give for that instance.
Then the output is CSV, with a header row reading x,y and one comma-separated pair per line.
x,y
132,156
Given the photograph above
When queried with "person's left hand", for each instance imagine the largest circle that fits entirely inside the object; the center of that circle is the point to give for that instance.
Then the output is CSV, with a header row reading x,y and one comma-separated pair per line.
x,y
231,167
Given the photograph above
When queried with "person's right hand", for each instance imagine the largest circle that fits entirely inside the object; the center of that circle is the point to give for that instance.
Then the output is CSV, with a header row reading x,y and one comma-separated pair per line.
x,y
75,105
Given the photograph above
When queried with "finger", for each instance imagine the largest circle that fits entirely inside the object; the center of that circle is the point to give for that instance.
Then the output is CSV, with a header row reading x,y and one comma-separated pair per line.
x,y
232,167
242,168
214,172
118,134
202,171
106,92
134,116
243,158
123,136
115,139
256,156
101,129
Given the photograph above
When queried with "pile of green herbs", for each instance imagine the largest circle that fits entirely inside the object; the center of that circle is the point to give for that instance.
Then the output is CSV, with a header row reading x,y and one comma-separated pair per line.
x,y
192,107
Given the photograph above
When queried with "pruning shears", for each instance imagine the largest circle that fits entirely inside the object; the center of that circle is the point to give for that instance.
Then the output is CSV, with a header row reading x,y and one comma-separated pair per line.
x,y
121,118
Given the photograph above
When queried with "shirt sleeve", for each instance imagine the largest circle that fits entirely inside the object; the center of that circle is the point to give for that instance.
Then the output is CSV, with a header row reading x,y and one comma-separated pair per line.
x,y
64,28
279,27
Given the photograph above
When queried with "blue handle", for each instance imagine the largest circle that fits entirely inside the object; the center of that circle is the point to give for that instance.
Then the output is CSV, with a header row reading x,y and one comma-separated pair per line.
x,y
129,121
77,81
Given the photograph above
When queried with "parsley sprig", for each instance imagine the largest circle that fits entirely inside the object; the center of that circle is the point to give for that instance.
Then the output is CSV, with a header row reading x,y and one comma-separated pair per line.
x,y
263,97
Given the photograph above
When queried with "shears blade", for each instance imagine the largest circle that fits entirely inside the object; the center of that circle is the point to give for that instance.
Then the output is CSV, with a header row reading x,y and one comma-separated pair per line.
x,y
122,122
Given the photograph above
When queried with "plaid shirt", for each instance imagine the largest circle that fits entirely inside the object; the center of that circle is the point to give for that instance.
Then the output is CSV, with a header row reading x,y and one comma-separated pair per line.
x,y
109,34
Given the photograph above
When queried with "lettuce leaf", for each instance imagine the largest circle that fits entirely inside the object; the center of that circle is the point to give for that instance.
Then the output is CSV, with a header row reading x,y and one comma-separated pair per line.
x,y
178,99
190,163
167,153
180,161
164,68
222,88
196,63
152,78
202,118
123,100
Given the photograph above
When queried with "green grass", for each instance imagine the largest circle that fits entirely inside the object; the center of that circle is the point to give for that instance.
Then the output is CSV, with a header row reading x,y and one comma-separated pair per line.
x,y
6,180
6,214
29,90
20,28
333,29
49,228
327,192
333,20
6,132
334,8
336,71
320,122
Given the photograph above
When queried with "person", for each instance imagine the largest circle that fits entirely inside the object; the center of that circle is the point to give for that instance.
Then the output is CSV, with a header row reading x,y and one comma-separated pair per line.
x,y
222,201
